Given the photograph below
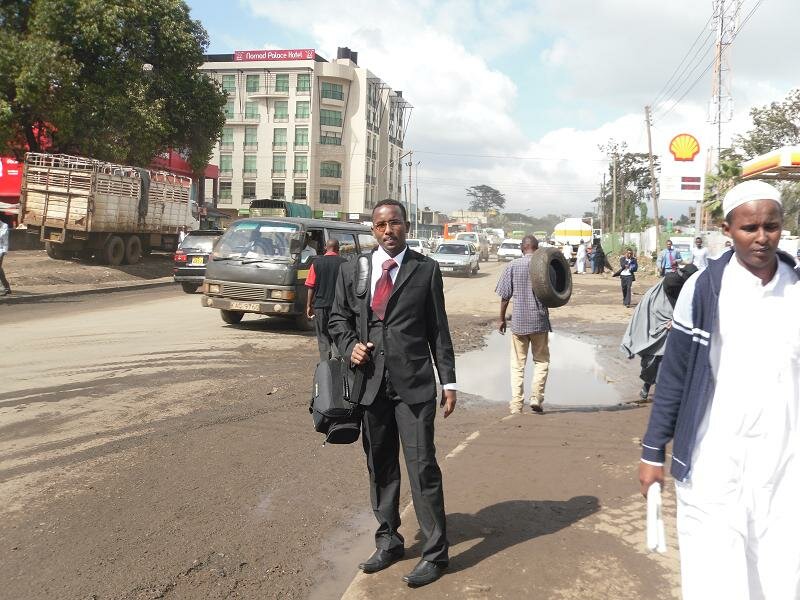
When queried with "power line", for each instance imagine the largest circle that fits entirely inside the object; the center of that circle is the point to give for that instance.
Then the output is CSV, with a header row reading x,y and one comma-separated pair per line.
x,y
542,158
699,35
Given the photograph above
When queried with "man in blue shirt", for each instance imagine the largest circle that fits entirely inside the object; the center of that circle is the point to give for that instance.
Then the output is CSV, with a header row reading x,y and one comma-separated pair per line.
x,y
669,261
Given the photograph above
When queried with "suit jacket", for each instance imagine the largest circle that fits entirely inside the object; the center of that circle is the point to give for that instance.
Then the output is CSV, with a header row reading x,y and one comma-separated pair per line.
x,y
413,336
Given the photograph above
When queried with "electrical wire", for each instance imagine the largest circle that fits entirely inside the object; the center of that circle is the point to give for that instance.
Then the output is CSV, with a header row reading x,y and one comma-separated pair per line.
x,y
699,35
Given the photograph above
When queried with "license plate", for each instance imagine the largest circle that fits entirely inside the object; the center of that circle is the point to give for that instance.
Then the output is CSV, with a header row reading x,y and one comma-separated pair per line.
x,y
253,306
446,268
198,260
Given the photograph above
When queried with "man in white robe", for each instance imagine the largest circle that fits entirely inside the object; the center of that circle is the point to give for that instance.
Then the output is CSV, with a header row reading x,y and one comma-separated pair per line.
x,y
580,258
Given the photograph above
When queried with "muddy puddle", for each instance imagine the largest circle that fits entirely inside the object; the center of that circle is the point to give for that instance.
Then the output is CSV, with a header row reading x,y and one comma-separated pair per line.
x,y
576,379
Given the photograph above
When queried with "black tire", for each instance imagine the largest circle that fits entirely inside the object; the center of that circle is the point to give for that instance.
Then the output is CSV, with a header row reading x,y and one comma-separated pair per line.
x,y
133,250
56,251
84,254
303,323
231,317
191,288
114,251
551,277
469,273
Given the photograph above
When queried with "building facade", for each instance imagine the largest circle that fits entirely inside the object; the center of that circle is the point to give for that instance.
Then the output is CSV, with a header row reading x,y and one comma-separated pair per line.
x,y
302,129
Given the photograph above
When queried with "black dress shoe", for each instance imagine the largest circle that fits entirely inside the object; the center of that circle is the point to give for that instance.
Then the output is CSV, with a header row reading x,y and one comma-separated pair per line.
x,y
380,560
424,573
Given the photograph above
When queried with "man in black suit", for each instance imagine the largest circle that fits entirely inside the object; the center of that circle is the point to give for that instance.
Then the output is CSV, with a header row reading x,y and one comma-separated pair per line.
x,y
407,324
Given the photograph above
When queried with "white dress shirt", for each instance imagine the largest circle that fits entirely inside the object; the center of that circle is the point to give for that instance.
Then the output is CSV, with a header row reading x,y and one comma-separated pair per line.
x,y
700,257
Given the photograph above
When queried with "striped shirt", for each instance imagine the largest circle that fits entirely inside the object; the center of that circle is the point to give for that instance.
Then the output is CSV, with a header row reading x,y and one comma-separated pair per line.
x,y
529,314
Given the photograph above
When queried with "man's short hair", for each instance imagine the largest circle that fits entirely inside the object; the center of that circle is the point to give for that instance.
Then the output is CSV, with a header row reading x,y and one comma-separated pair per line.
x,y
629,249
668,242
530,240
332,243
391,202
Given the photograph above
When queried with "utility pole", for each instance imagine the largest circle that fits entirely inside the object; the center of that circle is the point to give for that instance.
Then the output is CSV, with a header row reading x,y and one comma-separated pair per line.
x,y
409,164
647,118
614,196
622,208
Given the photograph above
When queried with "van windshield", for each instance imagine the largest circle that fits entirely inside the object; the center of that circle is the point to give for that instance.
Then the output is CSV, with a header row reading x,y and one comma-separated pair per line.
x,y
258,241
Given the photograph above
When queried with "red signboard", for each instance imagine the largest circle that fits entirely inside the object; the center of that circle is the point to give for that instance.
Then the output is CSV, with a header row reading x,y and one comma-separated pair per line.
x,y
250,55
10,178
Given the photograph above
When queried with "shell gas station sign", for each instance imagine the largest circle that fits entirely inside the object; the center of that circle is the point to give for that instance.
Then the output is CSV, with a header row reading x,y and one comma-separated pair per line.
x,y
683,170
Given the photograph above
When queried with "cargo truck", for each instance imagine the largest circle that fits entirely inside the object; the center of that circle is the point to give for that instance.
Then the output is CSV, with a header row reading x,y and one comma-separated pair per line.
x,y
83,207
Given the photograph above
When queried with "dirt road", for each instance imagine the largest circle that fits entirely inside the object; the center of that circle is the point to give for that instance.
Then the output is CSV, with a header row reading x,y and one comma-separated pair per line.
x,y
149,451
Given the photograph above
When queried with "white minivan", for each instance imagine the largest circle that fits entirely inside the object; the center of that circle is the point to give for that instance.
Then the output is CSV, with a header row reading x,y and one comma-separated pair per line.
x,y
510,249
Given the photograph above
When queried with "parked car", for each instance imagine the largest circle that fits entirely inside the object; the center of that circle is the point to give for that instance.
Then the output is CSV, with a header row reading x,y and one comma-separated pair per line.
x,y
457,257
191,258
479,240
509,249
419,246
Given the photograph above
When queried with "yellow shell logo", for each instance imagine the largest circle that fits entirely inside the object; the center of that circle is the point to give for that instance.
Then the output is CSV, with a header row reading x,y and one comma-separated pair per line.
x,y
684,147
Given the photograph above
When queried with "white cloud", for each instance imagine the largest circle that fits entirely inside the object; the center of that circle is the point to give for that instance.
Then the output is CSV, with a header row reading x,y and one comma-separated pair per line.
x,y
612,57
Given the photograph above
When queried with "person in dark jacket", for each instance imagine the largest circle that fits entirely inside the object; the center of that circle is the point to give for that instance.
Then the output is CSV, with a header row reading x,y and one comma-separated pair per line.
x,y
600,259
321,284
627,267
728,396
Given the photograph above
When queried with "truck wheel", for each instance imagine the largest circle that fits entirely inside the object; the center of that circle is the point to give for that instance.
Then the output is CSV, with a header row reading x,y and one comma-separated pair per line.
x,y
133,250
114,251
303,323
551,277
56,251
231,317
191,288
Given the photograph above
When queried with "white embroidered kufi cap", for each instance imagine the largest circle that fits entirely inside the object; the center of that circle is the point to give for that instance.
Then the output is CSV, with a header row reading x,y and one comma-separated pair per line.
x,y
747,191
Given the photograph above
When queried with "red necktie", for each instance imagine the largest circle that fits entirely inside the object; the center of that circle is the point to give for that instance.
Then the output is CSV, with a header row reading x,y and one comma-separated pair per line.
x,y
383,289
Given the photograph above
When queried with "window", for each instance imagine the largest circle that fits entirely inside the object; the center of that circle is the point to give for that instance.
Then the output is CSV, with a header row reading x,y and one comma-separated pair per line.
x,y
251,110
226,141
303,109
332,90
281,110
252,83
229,109
225,163
248,190
301,137
224,192
367,242
250,138
329,138
282,82
250,164
301,163
300,191
330,169
329,196
303,82
330,117
278,189
229,83
347,242
279,139
278,164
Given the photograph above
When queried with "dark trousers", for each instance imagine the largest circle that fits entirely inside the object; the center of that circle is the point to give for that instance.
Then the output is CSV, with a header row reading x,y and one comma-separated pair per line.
x,y
627,284
3,279
327,349
388,422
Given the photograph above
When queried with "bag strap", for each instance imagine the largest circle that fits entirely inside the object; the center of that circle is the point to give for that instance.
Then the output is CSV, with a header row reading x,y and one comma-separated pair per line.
x,y
363,268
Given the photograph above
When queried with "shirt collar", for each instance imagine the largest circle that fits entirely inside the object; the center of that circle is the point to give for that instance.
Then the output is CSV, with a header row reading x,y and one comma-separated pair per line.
x,y
745,279
331,253
381,255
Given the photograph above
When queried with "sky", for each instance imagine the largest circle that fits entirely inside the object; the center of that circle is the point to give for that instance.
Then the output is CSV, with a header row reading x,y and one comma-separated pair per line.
x,y
519,95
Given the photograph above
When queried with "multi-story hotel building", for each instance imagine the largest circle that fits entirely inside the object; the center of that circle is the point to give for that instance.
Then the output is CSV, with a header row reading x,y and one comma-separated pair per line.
x,y
300,128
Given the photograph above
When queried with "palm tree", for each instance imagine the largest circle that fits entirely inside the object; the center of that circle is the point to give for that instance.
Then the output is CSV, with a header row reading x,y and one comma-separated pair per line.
x,y
728,175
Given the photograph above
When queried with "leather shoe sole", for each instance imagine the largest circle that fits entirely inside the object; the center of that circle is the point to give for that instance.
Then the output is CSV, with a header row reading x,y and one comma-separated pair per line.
x,y
424,573
380,560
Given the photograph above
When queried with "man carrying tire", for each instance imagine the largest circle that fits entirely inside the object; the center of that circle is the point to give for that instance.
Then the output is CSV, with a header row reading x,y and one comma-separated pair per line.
x,y
530,327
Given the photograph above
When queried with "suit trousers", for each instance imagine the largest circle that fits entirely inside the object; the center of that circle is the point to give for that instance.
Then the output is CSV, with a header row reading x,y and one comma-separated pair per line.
x,y
540,348
327,349
3,280
387,423
627,284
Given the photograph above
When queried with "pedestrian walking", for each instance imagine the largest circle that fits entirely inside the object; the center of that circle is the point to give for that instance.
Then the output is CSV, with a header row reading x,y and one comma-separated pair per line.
x,y
627,267
728,396
566,250
591,257
181,234
669,260
4,235
530,328
407,324
321,284
580,258
699,254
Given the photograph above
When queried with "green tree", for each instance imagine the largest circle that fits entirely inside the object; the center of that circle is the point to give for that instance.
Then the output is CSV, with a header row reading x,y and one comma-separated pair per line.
x,y
485,198
729,173
633,189
113,81
775,125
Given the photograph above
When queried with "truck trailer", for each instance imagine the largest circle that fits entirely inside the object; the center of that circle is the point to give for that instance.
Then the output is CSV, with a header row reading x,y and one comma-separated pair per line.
x,y
83,207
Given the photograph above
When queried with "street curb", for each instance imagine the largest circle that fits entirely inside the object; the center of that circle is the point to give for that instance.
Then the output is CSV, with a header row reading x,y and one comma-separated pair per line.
x,y
85,292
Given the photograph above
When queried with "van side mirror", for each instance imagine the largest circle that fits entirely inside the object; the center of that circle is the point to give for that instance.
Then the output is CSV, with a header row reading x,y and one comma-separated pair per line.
x,y
295,245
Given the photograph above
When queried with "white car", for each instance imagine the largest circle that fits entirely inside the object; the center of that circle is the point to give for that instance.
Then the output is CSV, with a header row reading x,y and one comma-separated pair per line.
x,y
418,246
457,258
509,249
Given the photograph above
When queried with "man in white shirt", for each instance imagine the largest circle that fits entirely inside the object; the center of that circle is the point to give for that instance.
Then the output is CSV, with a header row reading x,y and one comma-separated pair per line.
x,y
699,254
3,251
728,397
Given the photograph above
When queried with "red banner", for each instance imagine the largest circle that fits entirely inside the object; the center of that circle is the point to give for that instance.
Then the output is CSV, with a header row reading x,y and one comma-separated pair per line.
x,y
250,55
10,178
